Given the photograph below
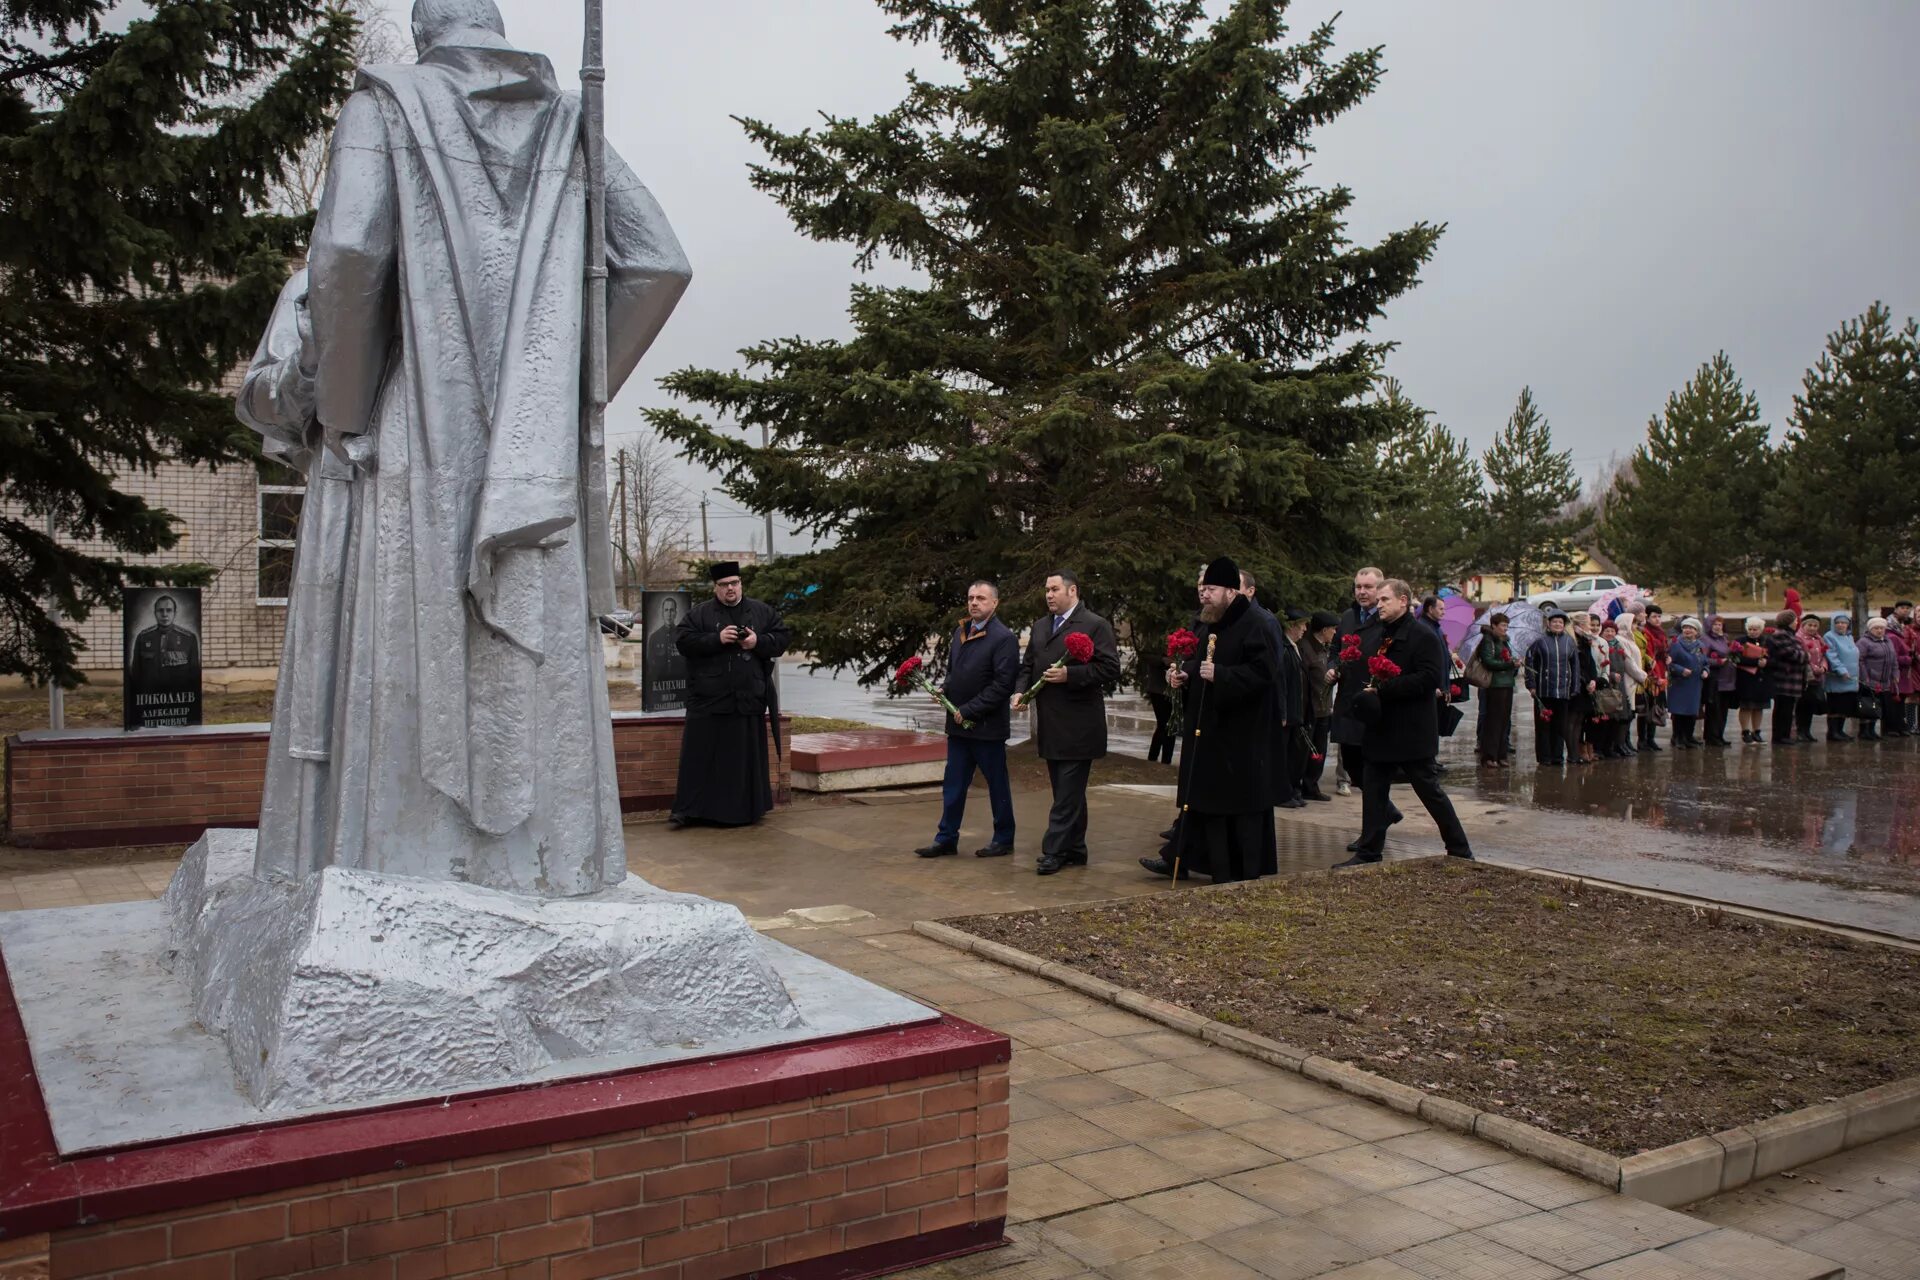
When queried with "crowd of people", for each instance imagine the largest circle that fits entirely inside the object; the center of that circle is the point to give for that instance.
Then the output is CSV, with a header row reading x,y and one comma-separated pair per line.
x,y
1262,703
1603,688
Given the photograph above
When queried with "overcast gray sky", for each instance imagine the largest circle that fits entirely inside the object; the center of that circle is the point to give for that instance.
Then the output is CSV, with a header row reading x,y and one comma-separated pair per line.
x,y
1628,186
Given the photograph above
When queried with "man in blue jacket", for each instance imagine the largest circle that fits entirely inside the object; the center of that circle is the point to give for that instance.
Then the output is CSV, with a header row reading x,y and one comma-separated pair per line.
x,y
982,664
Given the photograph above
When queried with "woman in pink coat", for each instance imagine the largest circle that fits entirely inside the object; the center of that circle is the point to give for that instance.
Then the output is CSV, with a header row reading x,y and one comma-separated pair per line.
x,y
1906,650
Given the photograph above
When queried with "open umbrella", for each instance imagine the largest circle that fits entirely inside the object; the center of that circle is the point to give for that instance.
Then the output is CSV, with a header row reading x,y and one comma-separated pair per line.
x,y
1461,618
1612,602
1524,625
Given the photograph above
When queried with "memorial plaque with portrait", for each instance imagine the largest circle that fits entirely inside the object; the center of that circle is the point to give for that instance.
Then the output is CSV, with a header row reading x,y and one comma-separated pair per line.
x,y
663,668
160,628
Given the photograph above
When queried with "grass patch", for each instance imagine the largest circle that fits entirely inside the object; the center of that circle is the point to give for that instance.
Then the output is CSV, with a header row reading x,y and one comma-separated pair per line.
x,y
1623,1022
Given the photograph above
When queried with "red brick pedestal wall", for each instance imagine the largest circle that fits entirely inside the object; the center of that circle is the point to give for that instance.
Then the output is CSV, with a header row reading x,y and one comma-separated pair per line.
x,y
77,788
817,1162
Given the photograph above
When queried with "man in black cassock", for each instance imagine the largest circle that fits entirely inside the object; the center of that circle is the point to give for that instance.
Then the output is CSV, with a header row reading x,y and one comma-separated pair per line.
x,y
731,644
1227,736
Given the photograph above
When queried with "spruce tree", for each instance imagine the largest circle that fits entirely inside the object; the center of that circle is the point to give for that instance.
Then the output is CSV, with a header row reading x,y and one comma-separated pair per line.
x,y
1531,486
1429,513
1682,512
136,268
1848,513
1140,341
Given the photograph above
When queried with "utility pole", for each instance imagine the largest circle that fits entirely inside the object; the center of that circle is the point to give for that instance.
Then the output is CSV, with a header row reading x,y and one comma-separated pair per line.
x,y
626,552
706,542
56,696
769,511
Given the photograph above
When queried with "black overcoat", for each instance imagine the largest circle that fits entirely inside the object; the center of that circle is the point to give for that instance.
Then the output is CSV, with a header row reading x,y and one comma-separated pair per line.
x,y
1409,723
1070,720
1353,675
724,679
1228,763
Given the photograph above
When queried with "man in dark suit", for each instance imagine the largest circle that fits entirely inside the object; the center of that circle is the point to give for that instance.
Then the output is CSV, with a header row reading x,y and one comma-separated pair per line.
x,y
1401,718
1069,713
982,663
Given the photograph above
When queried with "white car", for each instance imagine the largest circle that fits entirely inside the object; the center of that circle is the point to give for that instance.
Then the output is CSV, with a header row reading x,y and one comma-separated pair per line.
x,y
1578,594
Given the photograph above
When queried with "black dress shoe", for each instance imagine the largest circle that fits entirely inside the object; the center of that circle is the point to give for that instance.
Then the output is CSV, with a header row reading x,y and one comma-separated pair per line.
x,y
938,850
1358,860
1161,867
993,851
1047,866
1295,803
1170,832
1316,796
675,822
1465,855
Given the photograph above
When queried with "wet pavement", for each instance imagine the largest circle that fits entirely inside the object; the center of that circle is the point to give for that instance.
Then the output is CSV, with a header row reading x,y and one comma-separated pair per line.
x,y
1827,831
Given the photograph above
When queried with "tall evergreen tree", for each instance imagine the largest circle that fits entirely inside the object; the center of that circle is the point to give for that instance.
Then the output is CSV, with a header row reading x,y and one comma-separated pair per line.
x,y
136,267
1531,488
1140,340
1429,511
1680,513
1848,513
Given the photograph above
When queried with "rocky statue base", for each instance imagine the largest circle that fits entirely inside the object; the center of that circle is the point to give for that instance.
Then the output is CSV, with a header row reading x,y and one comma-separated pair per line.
x,y
356,985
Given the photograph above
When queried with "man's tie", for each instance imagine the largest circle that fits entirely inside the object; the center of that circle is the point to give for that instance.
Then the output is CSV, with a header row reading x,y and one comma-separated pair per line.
x,y
1058,620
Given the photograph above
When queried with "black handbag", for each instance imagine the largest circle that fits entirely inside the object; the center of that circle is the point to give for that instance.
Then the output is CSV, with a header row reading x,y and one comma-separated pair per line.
x,y
1868,707
1450,718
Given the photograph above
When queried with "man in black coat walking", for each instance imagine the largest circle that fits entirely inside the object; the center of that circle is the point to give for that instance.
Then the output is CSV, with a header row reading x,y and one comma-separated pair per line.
x,y
1401,718
983,661
731,645
1226,758
1069,713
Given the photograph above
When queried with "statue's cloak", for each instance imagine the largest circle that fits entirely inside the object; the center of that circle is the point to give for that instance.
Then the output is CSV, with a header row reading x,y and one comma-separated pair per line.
x,y
469,734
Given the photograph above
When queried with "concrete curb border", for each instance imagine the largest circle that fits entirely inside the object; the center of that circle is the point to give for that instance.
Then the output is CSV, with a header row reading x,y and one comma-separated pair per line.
x,y
1669,1176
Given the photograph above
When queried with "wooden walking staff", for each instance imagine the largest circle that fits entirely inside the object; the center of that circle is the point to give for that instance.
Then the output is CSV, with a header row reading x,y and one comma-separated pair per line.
x,y
595,511
1186,778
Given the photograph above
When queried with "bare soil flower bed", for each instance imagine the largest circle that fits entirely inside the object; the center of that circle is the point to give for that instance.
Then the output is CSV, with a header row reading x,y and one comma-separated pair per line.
x,y
1622,1022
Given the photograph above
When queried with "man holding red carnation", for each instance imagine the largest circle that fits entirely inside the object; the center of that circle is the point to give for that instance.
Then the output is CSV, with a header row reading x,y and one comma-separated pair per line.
x,y
1071,661
983,661
1226,753
1406,661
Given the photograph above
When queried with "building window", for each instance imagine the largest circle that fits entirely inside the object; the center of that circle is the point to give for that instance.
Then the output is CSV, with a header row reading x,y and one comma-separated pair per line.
x,y
279,523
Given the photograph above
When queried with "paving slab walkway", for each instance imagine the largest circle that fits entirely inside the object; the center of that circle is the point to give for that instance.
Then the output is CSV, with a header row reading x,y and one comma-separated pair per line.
x,y
1141,1154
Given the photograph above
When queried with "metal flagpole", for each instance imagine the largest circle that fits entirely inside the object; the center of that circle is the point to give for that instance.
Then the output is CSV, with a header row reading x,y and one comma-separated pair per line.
x,y
593,80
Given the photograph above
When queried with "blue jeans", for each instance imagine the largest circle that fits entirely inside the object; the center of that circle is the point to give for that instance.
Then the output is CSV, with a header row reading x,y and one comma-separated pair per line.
x,y
963,756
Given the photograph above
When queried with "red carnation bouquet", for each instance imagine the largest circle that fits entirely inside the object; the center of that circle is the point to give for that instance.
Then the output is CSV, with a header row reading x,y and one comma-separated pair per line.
x,y
1350,649
1182,644
911,673
1381,667
1079,649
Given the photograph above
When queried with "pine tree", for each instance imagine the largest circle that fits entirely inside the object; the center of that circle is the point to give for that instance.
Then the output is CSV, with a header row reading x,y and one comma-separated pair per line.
x,y
1429,515
1848,513
136,267
1140,342
1531,488
1680,513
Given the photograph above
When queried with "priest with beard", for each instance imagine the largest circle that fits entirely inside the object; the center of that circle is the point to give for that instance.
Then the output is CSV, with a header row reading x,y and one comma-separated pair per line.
x,y
732,644
1226,783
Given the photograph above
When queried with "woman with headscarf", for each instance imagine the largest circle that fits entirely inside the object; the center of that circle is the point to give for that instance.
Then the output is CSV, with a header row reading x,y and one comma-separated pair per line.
x,y
1496,700
1627,676
1793,605
1880,677
1718,693
1786,676
1750,678
1650,634
1686,682
1813,699
1316,655
1843,677
1596,734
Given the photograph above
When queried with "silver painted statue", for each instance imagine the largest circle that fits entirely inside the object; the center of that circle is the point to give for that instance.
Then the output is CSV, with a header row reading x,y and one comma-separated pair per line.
x,y
442,710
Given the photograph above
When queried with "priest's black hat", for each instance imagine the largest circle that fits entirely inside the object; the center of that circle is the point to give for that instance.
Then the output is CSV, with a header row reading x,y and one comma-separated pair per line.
x,y
1222,573
723,569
